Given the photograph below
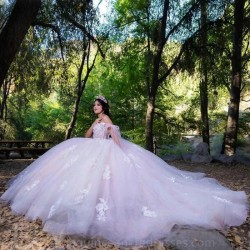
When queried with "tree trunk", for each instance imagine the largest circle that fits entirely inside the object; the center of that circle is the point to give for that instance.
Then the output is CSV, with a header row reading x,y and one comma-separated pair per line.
x,y
234,104
204,78
3,106
13,33
76,104
73,117
150,103
80,89
149,124
152,90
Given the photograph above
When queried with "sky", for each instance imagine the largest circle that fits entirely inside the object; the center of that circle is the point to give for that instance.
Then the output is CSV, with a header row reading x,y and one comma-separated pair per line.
x,y
104,6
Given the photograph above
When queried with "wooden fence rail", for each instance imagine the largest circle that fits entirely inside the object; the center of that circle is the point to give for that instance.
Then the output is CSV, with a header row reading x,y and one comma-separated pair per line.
x,y
23,148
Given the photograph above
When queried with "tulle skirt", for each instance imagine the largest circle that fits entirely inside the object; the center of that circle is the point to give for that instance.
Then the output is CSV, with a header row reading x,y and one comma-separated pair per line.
x,y
125,194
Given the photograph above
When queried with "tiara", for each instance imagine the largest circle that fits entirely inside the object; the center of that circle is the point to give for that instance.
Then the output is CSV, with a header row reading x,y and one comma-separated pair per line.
x,y
100,97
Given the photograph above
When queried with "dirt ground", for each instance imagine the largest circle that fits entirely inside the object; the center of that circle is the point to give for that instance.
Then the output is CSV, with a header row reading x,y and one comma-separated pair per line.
x,y
18,233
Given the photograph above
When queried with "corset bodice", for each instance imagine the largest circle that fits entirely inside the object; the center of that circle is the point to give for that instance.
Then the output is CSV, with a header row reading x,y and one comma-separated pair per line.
x,y
100,131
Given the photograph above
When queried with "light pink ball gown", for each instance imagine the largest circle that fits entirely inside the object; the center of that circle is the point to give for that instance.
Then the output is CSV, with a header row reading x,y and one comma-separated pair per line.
x,y
113,189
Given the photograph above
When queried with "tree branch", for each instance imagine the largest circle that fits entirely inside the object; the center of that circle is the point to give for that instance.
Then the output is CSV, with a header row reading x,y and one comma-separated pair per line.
x,y
82,28
54,28
167,90
168,72
192,8
167,121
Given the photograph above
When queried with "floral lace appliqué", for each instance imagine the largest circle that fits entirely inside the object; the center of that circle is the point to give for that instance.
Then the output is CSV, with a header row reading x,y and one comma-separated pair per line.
x,y
131,156
62,186
69,151
186,176
137,165
106,173
52,211
222,199
172,179
148,213
126,159
70,162
101,209
72,148
54,208
28,188
82,194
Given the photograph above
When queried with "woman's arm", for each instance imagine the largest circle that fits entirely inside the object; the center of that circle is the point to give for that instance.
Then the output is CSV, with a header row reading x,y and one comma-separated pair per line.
x,y
89,132
112,130
104,119
115,134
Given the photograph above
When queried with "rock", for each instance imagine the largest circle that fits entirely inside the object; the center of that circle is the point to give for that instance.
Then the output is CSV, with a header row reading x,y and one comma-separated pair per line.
x,y
182,238
222,158
225,158
201,154
168,158
14,155
187,157
243,159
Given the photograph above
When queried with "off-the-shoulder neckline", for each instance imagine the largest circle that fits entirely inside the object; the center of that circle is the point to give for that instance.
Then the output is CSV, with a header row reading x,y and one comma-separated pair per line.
x,y
107,124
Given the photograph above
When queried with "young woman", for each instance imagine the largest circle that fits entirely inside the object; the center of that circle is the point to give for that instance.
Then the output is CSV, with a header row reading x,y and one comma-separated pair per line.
x,y
104,186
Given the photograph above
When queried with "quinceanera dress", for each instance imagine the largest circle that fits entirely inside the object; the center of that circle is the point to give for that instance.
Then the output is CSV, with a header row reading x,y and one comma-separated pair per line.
x,y
110,188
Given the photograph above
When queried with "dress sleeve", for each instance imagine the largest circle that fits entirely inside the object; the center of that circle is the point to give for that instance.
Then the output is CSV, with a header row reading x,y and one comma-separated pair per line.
x,y
114,131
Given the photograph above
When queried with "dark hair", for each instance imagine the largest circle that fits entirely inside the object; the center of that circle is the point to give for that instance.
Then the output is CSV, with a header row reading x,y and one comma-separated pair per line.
x,y
105,106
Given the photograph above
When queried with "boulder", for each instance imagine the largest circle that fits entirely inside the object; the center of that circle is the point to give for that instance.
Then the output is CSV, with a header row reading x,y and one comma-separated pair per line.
x,y
183,238
233,159
173,157
201,154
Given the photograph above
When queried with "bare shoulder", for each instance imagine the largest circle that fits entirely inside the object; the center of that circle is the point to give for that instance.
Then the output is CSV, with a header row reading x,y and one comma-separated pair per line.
x,y
106,119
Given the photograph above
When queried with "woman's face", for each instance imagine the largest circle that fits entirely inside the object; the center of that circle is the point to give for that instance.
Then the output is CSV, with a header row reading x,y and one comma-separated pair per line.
x,y
97,108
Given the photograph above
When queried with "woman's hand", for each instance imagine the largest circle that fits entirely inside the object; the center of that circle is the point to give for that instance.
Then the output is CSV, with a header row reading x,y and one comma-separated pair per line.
x,y
98,120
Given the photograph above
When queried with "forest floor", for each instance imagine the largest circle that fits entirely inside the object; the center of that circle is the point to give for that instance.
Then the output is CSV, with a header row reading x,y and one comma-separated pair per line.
x,y
18,233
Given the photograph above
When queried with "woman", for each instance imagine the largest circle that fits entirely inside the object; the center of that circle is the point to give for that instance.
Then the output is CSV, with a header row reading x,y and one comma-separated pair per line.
x,y
104,186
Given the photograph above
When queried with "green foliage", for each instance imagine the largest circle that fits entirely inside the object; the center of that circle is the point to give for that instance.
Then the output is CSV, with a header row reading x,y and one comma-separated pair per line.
x,y
43,86
178,148
7,130
46,120
244,124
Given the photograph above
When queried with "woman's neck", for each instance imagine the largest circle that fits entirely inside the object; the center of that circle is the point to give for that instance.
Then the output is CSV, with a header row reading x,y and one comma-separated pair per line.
x,y
101,115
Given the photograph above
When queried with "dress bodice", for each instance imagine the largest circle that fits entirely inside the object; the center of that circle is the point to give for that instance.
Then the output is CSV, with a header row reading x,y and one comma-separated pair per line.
x,y
100,130
105,131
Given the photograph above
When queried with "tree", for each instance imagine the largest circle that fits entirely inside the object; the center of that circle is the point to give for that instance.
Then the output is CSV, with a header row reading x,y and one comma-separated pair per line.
x,y
233,108
81,84
159,25
12,34
82,17
204,74
158,77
